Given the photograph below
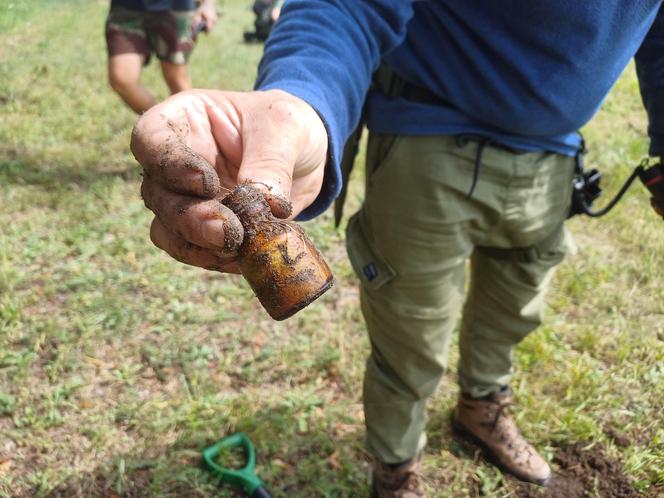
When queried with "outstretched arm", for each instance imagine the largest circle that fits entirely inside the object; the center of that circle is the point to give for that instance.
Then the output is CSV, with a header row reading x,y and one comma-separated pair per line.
x,y
287,136
325,52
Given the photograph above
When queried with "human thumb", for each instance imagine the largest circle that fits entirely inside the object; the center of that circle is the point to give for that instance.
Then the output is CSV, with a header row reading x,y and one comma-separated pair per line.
x,y
276,142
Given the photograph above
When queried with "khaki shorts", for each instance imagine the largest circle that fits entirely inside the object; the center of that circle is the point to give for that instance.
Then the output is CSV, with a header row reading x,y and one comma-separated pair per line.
x,y
169,34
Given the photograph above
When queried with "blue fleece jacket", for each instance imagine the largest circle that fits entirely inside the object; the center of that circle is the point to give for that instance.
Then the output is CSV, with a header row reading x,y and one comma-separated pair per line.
x,y
525,73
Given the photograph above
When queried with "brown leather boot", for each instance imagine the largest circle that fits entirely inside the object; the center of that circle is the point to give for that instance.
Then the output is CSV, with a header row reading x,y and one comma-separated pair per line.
x,y
486,422
397,482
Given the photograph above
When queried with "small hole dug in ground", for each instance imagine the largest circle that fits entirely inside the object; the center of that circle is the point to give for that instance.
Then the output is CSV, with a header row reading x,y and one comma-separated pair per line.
x,y
583,472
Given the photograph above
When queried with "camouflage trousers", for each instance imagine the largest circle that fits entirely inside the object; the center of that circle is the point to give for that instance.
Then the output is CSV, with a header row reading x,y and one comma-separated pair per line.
x,y
170,35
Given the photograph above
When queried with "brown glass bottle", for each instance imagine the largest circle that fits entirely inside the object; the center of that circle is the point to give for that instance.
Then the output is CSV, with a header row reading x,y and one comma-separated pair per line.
x,y
281,264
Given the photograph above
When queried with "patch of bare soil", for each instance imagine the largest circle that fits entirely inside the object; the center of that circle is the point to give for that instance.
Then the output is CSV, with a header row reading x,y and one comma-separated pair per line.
x,y
583,473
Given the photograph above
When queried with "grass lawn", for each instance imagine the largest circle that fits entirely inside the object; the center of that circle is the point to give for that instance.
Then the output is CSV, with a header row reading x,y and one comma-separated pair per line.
x,y
119,365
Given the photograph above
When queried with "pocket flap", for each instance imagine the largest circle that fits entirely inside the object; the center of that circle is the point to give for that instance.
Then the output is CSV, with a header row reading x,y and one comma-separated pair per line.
x,y
367,263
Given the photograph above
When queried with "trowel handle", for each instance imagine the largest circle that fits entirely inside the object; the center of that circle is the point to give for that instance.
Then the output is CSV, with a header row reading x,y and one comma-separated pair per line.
x,y
245,477
261,492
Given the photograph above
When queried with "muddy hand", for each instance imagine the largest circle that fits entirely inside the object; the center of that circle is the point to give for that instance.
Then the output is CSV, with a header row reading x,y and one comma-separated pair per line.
x,y
197,145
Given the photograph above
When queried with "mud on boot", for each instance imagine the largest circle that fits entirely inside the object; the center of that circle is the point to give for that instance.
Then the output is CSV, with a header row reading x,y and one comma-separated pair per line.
x,y
401,481
486,422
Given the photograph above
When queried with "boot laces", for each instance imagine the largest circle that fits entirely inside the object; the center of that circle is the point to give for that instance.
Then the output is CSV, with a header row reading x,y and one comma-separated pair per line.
x,y
520,447
501,412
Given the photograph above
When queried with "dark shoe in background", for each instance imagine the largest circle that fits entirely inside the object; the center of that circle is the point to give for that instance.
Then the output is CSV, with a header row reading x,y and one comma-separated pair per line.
x,y
267,13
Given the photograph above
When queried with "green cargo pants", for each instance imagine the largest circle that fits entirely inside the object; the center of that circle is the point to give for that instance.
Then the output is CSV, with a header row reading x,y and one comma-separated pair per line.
x,y
409,244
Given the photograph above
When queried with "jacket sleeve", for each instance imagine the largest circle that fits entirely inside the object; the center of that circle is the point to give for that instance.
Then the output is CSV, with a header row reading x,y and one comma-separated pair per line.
x,y
324,52
650,71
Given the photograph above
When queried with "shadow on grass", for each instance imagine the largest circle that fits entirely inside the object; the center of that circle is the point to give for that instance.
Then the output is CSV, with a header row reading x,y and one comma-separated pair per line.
x,y
23,168
317,462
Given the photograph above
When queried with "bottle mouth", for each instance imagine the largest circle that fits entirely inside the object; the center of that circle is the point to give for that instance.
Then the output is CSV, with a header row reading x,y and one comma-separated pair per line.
x,y
246,200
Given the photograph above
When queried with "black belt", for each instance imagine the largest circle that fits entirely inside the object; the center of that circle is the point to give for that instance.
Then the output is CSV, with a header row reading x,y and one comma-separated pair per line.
x,y
390,84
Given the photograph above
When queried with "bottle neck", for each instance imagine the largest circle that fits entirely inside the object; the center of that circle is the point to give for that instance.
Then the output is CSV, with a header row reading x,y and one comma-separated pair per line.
x,y
248,204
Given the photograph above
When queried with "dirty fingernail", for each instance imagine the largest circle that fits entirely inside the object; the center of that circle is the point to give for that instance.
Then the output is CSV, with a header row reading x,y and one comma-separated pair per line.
x,y
233,235
213,232
279,205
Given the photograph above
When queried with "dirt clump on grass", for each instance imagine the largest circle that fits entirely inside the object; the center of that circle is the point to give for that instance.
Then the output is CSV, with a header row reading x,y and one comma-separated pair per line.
x,y
583,473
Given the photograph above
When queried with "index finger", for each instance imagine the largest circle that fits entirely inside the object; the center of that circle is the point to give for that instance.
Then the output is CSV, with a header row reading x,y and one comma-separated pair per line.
x,y
158,144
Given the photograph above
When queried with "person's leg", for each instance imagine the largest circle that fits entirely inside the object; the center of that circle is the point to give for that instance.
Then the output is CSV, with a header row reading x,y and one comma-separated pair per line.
x,y
128,52
504,305
505,302
511,268
124,72
408,246
409,327
176,76
172,37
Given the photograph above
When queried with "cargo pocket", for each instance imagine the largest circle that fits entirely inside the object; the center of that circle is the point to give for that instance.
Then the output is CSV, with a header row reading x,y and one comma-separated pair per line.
x,y
380,149
547,254
553,248
533,263
368,265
